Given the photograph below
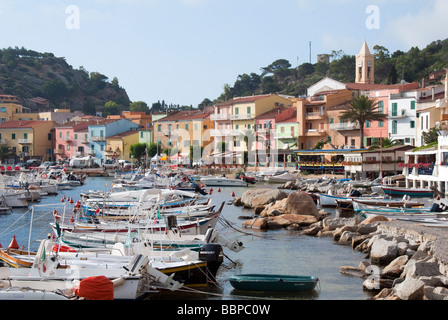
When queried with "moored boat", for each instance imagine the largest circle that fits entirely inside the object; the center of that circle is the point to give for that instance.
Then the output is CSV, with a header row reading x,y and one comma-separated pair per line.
x,y
223,182
273,282
413,192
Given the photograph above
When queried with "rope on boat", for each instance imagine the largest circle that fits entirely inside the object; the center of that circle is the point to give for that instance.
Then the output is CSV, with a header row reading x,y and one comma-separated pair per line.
x,y
227,223
192,290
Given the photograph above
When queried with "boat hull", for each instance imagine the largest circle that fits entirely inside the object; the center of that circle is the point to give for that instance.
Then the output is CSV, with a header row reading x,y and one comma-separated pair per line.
x,y
273,282
223,182
408,191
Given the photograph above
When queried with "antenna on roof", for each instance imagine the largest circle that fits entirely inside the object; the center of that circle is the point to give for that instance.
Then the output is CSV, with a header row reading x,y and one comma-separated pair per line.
x,y
310,52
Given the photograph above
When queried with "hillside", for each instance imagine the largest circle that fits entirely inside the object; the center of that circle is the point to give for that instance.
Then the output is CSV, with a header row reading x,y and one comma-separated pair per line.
x,y
390,68
29,74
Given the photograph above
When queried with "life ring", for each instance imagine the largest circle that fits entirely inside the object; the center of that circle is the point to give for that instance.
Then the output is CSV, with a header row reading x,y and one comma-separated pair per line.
x,y
44,176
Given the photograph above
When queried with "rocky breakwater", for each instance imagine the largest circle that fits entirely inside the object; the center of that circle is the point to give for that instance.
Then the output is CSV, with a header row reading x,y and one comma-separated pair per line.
x,y
403,261
275,209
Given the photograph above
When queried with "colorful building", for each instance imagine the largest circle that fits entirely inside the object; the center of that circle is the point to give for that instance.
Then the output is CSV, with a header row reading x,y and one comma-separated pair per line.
x,y
313,126
72,140
29,139
118,145
100,131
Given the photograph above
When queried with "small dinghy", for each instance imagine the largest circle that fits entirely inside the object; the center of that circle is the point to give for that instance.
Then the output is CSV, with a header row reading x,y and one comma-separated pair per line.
x,y
273,282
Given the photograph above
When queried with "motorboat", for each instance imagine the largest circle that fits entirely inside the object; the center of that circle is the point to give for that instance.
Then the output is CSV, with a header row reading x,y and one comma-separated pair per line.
x,y
273,282
223,182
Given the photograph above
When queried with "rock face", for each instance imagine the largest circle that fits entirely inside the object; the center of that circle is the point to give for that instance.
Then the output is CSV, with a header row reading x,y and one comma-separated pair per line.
x,y
295,210
400,267
298,203
258,197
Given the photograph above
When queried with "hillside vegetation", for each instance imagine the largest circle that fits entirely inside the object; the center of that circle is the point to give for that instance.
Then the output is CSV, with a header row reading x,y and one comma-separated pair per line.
x,y
390,68
28,74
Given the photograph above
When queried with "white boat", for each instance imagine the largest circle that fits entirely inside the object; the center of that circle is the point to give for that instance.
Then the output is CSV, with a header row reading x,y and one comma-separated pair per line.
x,y
130,277
222,182
329,200
284,177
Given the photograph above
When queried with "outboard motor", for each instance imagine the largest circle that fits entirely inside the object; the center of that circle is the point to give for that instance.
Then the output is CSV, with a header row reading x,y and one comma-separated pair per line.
x,y
436,208
198,189
213,254
355,193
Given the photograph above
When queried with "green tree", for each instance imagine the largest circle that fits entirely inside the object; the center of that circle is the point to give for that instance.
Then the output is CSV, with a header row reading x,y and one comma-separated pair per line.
x,y
154,149
139,106
205,103
6,152
432,135
138,151
363,109
385,143
115,83
99,80
111,108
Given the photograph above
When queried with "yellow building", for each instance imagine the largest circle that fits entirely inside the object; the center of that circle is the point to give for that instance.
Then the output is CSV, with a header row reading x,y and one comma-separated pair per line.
x,y
29,139
12,109
244,112
118,146
182,129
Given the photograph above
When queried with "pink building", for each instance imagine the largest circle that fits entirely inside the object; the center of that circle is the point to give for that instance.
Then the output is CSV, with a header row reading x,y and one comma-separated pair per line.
x,y
72,139
266,129
381,93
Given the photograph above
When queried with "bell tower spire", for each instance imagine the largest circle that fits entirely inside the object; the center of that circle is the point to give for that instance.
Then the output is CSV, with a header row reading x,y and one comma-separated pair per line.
x,y
365,66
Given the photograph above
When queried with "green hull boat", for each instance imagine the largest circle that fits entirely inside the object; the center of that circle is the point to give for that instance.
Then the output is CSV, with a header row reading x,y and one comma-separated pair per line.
x,y
273,282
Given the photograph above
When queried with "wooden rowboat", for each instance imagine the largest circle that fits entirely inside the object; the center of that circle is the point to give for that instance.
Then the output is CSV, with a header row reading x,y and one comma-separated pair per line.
x,y
273,282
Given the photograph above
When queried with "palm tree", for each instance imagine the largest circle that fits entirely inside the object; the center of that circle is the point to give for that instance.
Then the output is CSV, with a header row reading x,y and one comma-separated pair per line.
x,y
385,143
363,109
6,152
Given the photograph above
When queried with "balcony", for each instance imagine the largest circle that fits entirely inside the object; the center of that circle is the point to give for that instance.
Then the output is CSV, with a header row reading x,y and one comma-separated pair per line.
x,y
219,116
284,136
402,114
344,126
98,138
315,132
24,141
314,115
246,116
224,132
85,141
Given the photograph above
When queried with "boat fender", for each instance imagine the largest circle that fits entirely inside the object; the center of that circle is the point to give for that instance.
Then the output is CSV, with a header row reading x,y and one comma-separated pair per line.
x,y
118,282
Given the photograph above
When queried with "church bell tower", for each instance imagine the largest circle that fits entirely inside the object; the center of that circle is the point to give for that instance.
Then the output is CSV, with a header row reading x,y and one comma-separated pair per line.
x,y
365,66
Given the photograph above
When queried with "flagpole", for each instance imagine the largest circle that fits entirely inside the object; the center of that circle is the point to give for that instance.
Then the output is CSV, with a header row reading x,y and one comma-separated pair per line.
x,y
381,154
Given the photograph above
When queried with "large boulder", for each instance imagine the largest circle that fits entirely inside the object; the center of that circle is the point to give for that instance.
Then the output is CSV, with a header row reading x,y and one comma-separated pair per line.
x,y
297,203
257,223
258,197
410,289
383,251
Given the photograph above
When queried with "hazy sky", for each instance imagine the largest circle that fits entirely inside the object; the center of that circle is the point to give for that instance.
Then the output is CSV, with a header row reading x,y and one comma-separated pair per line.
x,y
183,51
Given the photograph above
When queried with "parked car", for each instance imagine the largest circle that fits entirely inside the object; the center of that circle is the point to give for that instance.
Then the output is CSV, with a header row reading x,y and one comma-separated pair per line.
x,y
46,164
110,164
32,163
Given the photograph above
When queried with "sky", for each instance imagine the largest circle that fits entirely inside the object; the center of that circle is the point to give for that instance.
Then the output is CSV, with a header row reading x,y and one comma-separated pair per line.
x,y
183,51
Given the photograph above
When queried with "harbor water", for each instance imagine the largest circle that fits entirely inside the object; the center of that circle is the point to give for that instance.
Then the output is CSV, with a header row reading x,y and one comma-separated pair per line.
x,y
274,251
